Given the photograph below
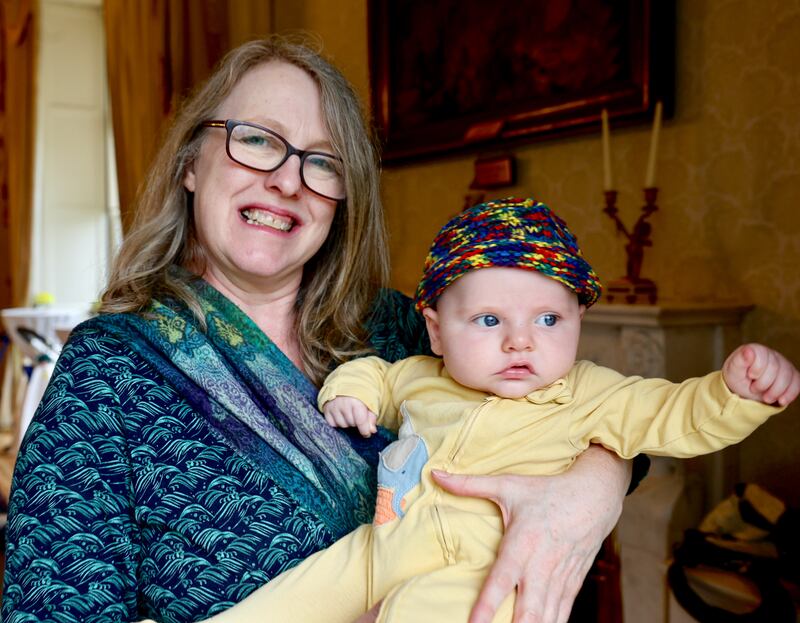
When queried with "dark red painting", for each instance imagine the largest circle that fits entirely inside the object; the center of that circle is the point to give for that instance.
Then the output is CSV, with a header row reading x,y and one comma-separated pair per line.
x,y
467,75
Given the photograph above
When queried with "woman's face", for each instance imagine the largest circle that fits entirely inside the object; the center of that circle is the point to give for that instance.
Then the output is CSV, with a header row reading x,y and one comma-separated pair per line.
x,y
259,229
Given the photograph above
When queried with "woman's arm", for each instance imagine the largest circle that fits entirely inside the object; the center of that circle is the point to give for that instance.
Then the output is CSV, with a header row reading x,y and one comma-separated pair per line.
x,y
554,527
72,551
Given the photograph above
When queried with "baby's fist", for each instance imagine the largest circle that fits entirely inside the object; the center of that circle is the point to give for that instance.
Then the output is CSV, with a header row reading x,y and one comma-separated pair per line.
x,y
759,373
346,411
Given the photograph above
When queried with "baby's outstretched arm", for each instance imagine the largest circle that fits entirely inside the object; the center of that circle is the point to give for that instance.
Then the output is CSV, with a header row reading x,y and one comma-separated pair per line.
x,y
345,411
759,373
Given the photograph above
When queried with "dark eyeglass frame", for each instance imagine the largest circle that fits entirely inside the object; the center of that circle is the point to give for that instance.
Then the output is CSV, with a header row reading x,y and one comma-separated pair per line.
x,y
291,150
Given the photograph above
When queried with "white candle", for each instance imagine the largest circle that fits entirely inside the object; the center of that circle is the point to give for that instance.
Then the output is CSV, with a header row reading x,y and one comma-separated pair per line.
x,y
650,177
608,183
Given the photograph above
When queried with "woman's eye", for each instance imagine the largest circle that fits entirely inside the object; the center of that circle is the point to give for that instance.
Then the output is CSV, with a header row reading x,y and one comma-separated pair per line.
x,y
262,140
487,320
255,139
323,165
547,320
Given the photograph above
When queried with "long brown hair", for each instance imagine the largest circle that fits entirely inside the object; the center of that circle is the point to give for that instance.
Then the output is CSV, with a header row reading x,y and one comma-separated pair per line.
x,y
339,282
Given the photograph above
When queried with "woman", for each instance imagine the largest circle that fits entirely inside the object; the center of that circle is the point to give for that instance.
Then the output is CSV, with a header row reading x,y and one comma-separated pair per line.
x,y
177,461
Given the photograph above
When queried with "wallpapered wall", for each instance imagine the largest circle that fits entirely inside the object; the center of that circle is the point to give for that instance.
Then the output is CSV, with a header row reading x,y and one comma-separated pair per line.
x,y
729,173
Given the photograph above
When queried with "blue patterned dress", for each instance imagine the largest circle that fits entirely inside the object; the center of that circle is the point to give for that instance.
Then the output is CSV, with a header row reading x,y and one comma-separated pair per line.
x,y
169,472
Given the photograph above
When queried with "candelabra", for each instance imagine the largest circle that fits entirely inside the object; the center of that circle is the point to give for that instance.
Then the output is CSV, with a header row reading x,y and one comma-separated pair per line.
x,y
633,288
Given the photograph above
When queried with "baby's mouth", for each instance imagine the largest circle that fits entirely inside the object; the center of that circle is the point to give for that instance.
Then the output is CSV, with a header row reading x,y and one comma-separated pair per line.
x,y
261,217
518,369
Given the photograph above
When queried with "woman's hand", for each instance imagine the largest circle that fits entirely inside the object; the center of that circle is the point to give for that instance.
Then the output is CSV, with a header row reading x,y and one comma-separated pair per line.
x,y
554,527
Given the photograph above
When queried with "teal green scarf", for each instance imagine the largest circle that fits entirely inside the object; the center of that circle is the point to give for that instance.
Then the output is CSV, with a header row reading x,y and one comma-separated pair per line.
x,y
261,404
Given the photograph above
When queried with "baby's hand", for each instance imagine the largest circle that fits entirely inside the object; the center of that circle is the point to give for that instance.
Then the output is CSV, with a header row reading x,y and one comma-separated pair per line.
x,y
760,373
345,411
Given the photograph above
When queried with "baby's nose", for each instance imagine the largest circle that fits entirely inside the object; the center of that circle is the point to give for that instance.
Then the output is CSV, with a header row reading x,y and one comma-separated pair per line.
x,y
518,339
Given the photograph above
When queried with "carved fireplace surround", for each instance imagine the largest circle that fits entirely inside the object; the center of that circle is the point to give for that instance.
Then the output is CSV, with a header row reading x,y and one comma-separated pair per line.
x,y
673,341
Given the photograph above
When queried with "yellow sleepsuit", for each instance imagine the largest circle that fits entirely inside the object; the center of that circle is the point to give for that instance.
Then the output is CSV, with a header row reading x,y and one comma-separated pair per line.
x,y
428,552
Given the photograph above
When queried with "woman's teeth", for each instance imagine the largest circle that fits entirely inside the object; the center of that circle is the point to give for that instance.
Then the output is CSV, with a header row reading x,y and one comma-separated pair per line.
x,y
258,217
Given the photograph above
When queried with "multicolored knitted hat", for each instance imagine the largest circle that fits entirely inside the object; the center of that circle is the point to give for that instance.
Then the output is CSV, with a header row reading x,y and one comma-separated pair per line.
x,y
518,233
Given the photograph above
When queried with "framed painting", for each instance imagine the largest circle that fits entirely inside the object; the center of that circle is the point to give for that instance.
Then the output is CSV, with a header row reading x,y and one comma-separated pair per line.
x,y
450,76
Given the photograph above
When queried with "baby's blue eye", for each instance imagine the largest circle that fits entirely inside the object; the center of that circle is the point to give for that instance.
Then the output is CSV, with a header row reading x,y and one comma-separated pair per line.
x,y
547,320
487,320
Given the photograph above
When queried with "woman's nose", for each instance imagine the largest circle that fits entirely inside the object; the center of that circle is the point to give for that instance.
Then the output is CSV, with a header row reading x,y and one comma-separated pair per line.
x,y
518,339
286,178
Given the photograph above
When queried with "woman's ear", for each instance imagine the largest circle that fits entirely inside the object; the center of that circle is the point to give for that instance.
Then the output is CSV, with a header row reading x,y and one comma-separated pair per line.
x,y
581,311
432,322
189,179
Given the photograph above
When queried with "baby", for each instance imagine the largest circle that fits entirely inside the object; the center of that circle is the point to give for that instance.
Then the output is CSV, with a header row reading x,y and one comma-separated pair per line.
x,y
503,294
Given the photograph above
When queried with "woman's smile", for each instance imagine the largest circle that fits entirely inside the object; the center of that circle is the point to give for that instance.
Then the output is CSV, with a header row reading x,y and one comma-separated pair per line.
x,y
268,218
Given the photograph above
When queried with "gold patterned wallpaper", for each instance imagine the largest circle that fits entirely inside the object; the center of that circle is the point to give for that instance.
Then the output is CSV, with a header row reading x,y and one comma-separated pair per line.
x,y
728,228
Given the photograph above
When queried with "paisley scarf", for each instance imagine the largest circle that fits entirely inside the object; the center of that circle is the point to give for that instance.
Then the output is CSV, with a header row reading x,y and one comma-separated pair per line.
x,y
259,402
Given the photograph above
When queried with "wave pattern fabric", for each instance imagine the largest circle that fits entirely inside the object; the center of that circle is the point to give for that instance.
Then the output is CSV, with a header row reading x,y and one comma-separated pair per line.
x,y
170,472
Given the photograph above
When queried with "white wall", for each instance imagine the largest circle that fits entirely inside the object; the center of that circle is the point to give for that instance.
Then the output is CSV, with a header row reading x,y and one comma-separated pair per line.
x,y
71,224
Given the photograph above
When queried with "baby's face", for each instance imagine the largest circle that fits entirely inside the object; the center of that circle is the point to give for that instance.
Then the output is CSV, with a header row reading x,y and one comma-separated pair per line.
x,y
506,331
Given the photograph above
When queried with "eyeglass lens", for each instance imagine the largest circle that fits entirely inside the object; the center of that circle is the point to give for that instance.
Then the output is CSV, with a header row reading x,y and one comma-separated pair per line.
x,y
261,149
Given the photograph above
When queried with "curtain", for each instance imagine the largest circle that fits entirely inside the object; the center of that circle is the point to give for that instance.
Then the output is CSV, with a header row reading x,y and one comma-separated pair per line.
x,y
17,105
5,234
18,25
158,50
137,83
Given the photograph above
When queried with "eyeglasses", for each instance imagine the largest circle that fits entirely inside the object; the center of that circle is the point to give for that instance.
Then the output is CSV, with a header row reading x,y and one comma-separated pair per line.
x,y
261,149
